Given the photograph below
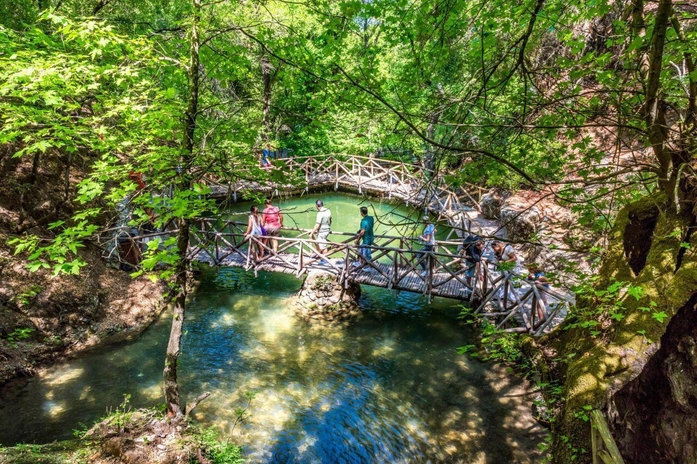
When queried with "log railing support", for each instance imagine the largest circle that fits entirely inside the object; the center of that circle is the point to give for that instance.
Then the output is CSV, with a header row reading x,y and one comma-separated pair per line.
x,y
603,446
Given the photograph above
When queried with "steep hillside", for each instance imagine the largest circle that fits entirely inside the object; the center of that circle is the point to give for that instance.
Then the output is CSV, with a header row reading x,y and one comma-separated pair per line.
x,y
42,317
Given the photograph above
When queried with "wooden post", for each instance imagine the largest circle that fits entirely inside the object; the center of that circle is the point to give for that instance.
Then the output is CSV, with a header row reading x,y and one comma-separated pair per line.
x,y
336,175
359,176
307,177
602,438
505,293
389,187
300,258
485,283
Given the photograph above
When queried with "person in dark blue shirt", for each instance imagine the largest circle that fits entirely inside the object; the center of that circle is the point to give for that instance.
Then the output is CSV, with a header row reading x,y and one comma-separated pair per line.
x,y
472,249
265,154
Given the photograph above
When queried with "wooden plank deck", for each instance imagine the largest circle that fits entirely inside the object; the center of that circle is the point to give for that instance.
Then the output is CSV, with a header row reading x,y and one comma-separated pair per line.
x,y
288,263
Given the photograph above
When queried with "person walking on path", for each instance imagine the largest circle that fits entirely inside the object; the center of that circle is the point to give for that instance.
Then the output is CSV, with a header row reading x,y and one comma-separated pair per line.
x,y
272,220
254,229
366,233
428,238
322,229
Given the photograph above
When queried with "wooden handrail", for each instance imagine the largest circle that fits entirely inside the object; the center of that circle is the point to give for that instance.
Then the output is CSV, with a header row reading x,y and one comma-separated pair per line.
x,y
355,165
603,446
395,264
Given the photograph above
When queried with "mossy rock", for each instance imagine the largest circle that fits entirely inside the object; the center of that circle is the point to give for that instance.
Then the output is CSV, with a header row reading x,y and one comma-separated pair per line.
x,y
594,368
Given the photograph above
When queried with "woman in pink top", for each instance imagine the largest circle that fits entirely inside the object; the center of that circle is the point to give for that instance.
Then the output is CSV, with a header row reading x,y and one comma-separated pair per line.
x,y
272,219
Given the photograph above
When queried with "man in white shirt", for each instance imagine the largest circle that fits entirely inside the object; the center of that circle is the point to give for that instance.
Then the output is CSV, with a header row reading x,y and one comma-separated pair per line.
x,y
322,228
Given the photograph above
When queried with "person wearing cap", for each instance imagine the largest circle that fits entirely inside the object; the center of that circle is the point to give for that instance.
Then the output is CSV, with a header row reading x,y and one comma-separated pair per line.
x,y
322,228
428,238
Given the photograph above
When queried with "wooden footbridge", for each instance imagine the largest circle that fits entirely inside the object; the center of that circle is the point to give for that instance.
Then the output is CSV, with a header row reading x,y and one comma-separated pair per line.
x,y
397,262
419,188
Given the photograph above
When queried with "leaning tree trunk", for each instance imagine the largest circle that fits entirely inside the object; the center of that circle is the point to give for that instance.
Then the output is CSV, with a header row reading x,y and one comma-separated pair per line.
x,y
171,386
430,155
266,73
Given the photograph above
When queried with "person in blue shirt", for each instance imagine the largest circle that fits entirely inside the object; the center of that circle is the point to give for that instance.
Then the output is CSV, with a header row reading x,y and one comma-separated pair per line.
x,y
366,233
428,238
472,249
265,154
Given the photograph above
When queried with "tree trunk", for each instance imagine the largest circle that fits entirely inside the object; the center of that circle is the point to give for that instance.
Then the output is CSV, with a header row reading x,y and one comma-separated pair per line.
x,y
171,386
266,71
430,157
35,167
654,108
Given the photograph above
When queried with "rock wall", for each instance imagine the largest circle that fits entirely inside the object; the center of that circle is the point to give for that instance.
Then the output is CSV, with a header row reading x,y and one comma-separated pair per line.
x,y
322,298
543,230
637,368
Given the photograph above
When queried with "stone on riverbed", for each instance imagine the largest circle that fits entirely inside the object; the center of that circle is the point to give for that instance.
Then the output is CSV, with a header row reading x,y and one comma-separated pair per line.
x,y
322,298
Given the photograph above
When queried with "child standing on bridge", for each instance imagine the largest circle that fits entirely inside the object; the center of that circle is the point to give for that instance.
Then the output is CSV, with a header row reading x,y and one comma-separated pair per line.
x,y
254,232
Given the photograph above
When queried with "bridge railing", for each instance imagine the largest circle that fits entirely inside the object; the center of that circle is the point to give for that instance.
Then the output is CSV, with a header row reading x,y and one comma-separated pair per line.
x,y
397,263
409,183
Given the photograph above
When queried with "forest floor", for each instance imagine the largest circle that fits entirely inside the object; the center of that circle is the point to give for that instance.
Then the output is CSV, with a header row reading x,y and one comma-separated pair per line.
x,y
141,436
45,318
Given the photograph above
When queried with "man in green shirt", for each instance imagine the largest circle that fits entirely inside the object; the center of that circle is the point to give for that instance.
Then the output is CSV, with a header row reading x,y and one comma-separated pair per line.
x,y
366,233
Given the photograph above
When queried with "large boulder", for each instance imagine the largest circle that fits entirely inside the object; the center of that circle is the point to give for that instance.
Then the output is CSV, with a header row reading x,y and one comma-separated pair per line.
x,y
491,203
520,221
323,298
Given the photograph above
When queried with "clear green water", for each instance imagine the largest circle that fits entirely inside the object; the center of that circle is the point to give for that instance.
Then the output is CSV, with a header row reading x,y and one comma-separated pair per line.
x,y
390,218
388,388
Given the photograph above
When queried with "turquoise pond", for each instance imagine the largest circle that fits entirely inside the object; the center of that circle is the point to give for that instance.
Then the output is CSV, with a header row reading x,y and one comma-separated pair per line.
x,y
389,387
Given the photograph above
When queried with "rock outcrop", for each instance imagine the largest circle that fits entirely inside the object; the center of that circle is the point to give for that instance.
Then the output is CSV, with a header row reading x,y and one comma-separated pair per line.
x,y
323,298
541,229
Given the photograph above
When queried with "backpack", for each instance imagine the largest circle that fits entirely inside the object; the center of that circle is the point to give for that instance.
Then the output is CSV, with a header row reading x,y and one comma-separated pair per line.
x,y
469,247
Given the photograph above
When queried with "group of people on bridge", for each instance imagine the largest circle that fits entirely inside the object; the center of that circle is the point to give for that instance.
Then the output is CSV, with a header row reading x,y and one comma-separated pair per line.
x,y
474,251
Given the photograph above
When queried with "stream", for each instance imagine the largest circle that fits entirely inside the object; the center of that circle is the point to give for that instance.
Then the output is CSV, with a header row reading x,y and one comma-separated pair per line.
x,y
389,387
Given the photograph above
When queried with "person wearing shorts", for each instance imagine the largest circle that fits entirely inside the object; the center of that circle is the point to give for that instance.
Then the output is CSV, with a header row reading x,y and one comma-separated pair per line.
x,y
272,220
322,227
